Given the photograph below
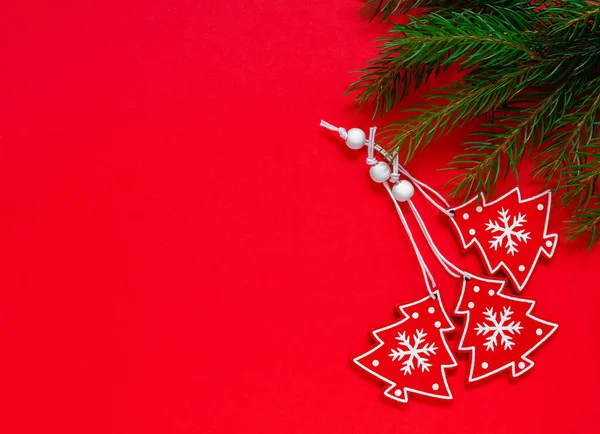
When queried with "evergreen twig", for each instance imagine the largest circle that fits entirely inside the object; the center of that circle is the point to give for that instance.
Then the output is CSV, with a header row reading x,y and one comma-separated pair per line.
x,y
535,63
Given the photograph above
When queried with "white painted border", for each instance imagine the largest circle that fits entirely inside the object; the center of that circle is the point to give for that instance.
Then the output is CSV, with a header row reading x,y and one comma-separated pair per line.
x,y
546,236
529,363
404,397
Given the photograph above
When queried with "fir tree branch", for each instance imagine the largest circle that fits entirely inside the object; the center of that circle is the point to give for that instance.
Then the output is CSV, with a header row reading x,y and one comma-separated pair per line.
x,y
427,45
511,137
463,101
386,8
538,62
577,16
572,144
585,222
582,180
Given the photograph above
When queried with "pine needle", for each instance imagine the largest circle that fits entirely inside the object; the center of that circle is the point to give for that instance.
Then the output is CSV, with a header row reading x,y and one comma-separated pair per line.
x,y
534,63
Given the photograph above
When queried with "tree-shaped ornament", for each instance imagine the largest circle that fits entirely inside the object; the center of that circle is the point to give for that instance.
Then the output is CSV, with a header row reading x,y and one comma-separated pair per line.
x,y
499,331
510,232
412,354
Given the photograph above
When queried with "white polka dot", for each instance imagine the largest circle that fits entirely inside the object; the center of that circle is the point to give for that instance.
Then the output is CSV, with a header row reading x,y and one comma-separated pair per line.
x,y
437,324
431,309
415,315
521,365
491,292
397,392
471,305
548,243
539,332
476,288
435,386
375,362
479,209
471,231
540,206
484,365
466,216
521,268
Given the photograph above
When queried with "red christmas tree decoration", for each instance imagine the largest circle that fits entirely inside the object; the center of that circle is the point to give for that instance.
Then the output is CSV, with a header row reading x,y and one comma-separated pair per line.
x,y
412,354
499,330
510,233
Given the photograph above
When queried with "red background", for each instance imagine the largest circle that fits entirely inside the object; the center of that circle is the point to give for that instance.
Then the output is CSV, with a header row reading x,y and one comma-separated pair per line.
x,y
183,250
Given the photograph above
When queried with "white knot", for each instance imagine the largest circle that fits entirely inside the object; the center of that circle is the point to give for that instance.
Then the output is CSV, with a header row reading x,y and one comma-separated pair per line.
x,y
343,133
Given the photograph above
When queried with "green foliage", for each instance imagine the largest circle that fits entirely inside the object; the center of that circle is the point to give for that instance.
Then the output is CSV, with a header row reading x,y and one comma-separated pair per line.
x,y
386,8
585,221
532,67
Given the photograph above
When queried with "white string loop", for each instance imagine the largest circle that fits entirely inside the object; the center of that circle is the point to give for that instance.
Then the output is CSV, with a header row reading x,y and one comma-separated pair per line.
x,y
420,185
395,175
371,161
425,190
429,281
425,186
341,131
398,168
452,269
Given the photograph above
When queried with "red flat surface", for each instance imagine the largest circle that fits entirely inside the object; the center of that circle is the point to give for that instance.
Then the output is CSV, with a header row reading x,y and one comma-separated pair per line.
x,y
183,250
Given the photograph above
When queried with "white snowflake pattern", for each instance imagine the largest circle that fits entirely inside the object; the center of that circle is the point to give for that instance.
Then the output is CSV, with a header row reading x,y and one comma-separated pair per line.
x,y
507,231
500,328
413,352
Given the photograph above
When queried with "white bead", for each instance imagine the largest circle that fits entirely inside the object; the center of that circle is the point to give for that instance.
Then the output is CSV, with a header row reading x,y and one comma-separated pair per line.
x,y
356,138
380,172
403,191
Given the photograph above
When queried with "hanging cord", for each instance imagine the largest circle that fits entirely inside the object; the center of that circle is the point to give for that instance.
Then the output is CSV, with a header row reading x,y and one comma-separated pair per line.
x,y
371,161
398,168
395,167
429,281
341,131
452,269
421,186
425,190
